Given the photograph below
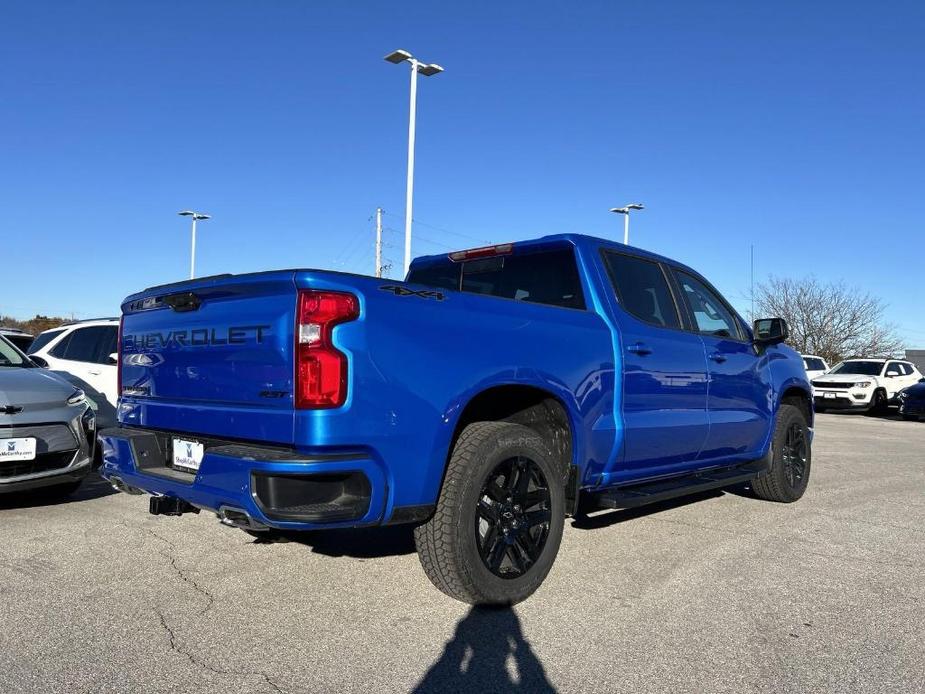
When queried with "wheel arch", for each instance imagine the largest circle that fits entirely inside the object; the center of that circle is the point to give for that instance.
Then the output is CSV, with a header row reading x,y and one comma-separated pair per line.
x,y
538,408
800,397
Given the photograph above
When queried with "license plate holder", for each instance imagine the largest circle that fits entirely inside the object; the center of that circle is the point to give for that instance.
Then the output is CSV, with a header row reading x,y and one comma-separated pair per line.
x,y
186,454
17,449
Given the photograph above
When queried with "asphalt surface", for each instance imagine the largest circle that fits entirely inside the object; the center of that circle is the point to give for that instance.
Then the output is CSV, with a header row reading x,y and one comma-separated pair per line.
x,y
721,593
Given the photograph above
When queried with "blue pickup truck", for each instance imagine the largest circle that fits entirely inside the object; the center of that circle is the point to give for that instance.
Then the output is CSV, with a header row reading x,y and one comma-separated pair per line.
x,y
484,399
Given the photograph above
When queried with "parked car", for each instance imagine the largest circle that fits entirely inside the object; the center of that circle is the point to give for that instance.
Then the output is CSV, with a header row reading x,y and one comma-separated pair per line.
x,y
47,428
815,366
20,338
85,354
483,399
912,401
863,384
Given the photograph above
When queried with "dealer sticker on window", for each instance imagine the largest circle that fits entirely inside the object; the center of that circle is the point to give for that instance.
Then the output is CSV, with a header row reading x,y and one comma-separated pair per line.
x,y
17,449
187,454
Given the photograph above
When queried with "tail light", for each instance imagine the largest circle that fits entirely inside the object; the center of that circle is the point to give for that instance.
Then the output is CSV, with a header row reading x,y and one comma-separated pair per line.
x,y
320,368
119,360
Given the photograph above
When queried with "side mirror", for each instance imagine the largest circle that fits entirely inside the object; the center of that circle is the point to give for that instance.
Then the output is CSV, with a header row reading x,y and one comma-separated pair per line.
x,y
114,358
38,361
892,374
770,331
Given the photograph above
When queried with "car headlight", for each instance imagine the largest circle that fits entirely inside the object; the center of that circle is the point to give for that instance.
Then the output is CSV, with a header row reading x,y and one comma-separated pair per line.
x,y
78,397
862,384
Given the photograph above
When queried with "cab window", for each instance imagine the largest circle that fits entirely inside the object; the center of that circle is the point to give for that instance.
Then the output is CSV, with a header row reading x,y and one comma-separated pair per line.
x,y
711,317
642,289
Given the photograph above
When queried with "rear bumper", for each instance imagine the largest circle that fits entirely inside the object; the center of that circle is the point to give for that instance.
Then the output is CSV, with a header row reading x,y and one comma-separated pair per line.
x,y
274,487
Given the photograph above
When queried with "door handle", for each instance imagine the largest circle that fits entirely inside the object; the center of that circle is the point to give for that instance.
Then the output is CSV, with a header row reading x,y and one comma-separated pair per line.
x,y
93,373
718,357
640,349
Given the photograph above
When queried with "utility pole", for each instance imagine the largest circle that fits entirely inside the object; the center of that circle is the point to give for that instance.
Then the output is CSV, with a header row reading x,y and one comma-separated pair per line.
x,y
378,242
752,281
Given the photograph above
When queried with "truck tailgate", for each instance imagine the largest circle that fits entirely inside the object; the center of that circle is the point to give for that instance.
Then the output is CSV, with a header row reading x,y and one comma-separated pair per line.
x,y
212,356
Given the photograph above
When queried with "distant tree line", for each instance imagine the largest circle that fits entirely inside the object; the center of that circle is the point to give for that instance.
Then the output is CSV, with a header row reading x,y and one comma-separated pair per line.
x,y
833,321
34,325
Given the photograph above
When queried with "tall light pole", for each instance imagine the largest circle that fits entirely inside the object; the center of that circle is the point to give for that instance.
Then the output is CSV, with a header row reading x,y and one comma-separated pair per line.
x,y
196,217
625,211
428,70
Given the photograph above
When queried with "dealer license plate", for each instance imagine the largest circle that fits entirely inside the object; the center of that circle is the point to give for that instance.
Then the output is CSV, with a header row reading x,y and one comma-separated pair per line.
x,y
187,454
17,449
828,395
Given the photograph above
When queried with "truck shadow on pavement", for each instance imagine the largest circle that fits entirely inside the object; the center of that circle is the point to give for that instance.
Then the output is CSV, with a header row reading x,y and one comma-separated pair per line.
x,y
93,487
360,543
488,653
603,519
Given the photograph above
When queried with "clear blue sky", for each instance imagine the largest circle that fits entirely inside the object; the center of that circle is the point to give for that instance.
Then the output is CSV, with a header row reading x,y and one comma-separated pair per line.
x,y
793,126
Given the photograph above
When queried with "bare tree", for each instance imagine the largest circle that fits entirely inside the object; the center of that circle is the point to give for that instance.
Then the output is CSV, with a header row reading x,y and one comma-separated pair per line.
x,y
831,320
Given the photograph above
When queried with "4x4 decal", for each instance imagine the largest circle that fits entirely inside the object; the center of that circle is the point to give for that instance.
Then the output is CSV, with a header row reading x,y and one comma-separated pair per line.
x,y
404,291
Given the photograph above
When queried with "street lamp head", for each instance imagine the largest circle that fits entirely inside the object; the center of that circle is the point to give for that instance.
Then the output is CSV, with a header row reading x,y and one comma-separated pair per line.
x,y
619,210
398,56
195,215
429,70
635,206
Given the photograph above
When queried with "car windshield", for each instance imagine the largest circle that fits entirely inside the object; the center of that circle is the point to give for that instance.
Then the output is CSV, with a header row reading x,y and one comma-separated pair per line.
x,y
862,368
10,356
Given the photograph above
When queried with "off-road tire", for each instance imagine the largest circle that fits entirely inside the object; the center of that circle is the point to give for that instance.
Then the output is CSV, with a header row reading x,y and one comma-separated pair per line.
x,y
447,544
775,484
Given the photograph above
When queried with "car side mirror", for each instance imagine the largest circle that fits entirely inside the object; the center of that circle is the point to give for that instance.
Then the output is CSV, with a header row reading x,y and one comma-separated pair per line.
x,y
114,358
770,331
38,361
892,374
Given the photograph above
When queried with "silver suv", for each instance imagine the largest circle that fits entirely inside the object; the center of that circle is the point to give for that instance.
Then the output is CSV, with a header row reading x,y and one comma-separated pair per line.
x,y
47,429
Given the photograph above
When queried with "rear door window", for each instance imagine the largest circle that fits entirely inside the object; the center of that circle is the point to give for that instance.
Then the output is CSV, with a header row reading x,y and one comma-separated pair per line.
x,y
642,289
84,344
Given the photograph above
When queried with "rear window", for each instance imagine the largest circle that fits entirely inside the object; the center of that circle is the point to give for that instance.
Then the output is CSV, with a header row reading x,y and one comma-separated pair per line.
x,y
43,340
546,277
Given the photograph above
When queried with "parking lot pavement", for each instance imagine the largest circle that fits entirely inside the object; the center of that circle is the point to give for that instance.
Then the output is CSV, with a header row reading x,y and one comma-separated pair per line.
x,y
723,593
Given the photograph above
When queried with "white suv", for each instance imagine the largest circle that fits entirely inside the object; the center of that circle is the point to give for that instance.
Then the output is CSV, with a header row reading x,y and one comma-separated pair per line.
x,y
815,366
85,354
863,384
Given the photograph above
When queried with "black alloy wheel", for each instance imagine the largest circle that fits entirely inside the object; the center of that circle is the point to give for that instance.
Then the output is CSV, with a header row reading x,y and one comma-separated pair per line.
x,y
794,453
512,523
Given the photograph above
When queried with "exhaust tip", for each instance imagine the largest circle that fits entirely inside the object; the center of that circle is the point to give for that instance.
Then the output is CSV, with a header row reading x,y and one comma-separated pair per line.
x,y
121,486
238,518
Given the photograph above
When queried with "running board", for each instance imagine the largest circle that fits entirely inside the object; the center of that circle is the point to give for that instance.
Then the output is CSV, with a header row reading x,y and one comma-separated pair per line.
x,y
661,490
